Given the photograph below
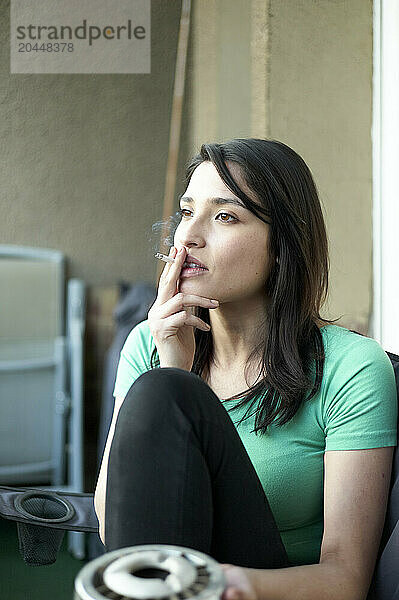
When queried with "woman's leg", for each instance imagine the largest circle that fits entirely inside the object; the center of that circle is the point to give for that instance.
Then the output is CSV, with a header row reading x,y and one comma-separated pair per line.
x,y
179,474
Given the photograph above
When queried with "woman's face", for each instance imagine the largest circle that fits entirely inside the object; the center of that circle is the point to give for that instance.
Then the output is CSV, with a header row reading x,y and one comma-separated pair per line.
x,y
228,239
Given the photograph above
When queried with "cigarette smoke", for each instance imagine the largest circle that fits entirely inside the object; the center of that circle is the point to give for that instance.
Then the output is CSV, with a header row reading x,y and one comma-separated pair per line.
x,y
163,233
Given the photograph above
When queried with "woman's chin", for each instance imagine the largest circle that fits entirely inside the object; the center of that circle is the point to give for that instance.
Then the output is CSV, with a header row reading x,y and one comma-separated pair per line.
x,y
190,284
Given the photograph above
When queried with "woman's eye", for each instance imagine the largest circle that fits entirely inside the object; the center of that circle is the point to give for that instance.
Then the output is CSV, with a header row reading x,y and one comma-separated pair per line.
x,y
183,210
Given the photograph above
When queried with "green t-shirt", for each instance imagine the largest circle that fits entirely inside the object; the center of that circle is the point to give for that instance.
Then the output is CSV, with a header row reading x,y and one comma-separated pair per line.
x,y
355,408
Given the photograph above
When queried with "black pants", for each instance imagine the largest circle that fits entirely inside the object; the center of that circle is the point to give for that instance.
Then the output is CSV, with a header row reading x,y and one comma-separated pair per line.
x,y
179,474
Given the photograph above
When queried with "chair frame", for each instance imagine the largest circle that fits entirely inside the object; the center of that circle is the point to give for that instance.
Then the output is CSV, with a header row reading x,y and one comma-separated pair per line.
x,y
64,470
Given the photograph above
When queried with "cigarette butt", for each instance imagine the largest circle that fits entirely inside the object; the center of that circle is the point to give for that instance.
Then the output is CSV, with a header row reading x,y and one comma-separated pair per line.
x,y
164,257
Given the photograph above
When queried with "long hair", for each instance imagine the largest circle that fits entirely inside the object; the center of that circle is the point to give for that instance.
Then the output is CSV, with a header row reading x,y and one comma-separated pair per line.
x,y
289,340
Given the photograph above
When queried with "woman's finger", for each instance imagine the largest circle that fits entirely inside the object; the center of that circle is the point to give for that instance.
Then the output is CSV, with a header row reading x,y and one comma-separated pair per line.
x,y
179,319
168,282
167,266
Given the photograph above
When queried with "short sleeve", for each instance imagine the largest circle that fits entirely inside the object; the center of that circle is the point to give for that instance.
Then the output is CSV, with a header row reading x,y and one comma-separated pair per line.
x,y
134,359
361,405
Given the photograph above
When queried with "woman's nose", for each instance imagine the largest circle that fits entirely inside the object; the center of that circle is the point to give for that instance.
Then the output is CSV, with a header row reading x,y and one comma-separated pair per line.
x,y
178,243
191,234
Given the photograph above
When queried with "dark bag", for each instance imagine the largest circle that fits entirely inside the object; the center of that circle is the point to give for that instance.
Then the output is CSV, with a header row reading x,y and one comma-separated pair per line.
x,y
385,582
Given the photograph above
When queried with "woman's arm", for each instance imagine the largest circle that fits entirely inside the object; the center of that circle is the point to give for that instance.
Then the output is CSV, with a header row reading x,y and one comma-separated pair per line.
x,y
99,494
325,581
356,487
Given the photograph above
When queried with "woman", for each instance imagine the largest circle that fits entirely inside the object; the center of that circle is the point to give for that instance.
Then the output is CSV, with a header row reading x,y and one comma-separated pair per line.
x,y
265,438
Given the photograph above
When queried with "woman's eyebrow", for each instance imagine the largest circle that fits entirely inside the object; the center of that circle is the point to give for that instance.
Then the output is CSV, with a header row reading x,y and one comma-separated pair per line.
x,y
217,201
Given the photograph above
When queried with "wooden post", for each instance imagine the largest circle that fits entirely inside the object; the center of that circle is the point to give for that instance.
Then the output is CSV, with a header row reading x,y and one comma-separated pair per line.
x,y
175,125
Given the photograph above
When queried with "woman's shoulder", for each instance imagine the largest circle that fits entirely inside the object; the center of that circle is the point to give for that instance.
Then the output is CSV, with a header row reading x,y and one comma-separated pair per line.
x,y
348,352
135,358
338,339
139,338
358,392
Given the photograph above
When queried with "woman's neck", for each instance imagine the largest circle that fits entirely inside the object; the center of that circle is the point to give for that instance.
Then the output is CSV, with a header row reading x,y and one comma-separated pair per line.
x,y
232,348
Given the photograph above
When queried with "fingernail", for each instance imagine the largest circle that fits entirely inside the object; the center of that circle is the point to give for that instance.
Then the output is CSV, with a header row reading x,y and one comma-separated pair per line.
x,y
181,250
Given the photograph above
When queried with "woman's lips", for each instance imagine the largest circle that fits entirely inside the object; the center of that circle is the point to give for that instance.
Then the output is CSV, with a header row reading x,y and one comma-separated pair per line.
x,y
191,259
192,271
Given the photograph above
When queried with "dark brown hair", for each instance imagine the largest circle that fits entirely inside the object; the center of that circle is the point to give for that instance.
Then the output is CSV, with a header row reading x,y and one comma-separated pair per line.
x,y
290,342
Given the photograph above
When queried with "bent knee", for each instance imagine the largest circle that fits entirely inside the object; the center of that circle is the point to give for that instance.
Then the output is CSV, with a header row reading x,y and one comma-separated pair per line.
x,y
154,384
158,387
164,377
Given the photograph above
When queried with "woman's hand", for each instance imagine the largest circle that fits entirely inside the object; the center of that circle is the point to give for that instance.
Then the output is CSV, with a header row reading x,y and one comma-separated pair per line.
x,y
170,320
240,585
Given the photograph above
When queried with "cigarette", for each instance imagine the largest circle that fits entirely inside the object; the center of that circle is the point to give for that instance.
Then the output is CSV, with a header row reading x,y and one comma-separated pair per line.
x,y
164,257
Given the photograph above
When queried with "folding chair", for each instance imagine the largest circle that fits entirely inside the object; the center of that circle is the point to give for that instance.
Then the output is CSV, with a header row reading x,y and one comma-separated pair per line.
x,y
41,367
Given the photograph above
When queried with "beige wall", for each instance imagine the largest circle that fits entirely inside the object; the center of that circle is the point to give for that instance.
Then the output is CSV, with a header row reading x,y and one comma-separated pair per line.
x,y
84,158
310,87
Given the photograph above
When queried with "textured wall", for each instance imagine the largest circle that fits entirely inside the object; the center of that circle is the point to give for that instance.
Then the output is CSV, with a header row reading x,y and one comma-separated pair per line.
x,y
220,81
84,157
320,104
